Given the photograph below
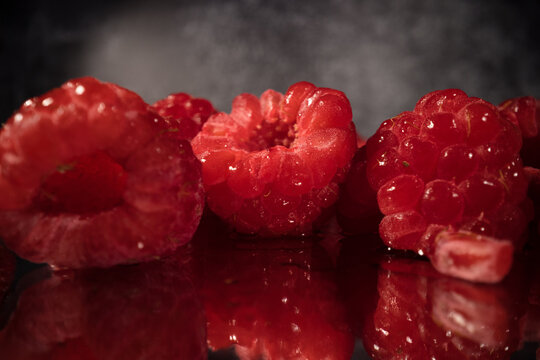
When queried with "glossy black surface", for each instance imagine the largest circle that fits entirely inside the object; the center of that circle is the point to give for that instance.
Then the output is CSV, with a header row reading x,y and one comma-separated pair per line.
x,y
325,296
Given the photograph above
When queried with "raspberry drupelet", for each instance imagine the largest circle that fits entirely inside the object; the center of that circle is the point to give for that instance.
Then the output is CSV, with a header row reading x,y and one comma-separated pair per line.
x,y
525,113
185,112
451,184
91,176
273,164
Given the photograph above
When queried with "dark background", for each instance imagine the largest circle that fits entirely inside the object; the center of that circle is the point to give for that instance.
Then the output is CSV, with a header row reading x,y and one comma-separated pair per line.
x,y
383,55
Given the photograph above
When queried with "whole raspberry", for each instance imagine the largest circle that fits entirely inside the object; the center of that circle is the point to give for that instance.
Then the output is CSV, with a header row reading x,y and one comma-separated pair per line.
x,y
274,163
453,163
184,112
90,176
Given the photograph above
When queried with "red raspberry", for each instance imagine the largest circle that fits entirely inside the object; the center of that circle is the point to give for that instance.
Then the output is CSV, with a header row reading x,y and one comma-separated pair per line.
x,y
274,163
452,163
96,314
273,299
525,112
93,178
357,209
185,112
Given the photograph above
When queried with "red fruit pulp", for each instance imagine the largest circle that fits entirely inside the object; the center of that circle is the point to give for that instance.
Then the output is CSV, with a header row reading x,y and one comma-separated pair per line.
x,y
90,183
95,178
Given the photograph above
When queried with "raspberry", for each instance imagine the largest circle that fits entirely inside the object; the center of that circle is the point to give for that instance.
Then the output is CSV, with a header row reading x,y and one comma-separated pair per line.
x,y
452,163
185,113
94,178
273,164
525,112
421,314
273,299
96,314
357,210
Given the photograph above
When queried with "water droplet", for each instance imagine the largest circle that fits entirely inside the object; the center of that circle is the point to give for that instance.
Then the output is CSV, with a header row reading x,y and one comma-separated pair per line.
x,y
47,102
79,90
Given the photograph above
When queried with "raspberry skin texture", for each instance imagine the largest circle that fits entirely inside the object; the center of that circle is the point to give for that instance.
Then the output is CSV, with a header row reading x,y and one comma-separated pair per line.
x,y
451,164
525,113
273,164
185,113
95,179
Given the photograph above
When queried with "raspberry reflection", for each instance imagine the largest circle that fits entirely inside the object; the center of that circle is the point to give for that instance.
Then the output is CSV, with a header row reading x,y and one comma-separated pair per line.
x,y
273,299
145,311
422,314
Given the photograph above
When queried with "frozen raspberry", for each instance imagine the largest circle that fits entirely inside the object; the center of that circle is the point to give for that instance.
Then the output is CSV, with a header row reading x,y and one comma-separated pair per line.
x,y
143,311
421,314
273,299
185,113
92,177
273,164
452,163
357,209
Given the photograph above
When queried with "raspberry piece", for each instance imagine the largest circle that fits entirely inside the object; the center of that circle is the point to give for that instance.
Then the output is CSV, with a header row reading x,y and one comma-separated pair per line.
x,y
95,179
471,256
273,299
273,164
451,163
185,113
96,314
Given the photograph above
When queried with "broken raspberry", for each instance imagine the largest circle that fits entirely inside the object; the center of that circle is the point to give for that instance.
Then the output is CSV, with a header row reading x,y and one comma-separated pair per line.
x,y
96,314
472,256
273,164
273,299
185,113
453,163
95,179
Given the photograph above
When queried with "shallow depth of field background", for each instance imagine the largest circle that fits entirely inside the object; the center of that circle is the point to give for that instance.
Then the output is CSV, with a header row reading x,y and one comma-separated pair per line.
x,y
383,55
